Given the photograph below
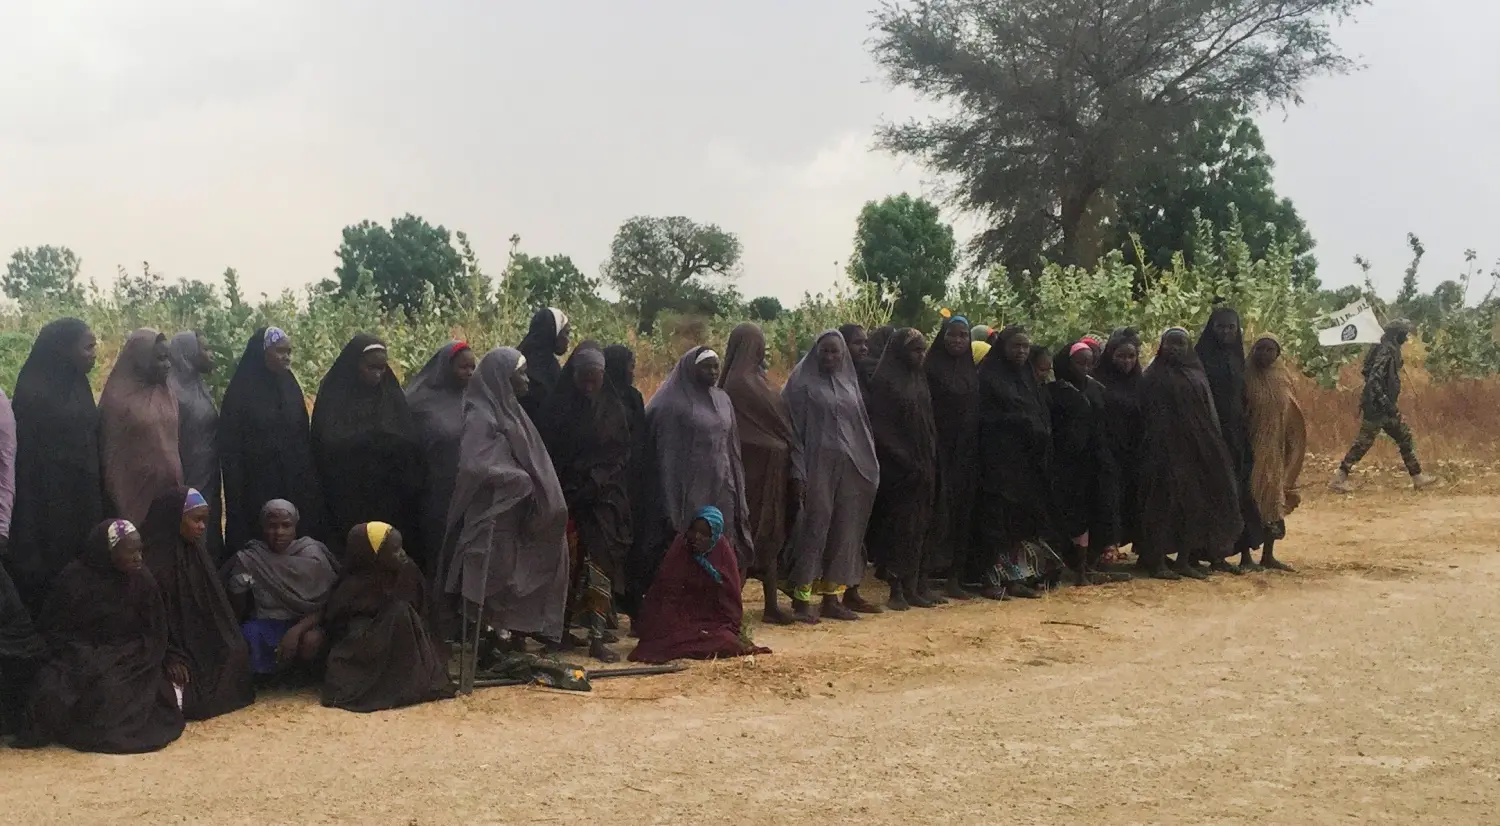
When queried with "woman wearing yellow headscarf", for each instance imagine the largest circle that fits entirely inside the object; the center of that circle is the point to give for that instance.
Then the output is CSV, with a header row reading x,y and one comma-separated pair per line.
x,y
382,655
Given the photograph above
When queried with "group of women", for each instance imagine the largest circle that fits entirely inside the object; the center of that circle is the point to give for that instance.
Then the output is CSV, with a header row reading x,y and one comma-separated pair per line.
x,y
163,558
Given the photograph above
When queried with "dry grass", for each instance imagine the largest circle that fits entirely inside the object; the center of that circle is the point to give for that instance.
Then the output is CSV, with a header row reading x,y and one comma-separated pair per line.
x,y
1455,421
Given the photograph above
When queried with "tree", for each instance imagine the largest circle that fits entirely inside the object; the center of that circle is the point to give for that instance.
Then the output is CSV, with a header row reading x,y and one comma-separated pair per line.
x,y
765,308
403,261
1055,101
671,264
902,244
554,281
1220,162
44,272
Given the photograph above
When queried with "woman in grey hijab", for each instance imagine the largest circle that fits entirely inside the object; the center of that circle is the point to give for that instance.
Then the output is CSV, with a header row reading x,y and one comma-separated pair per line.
x,y
435,397
198,429
838,454
506,544
692,452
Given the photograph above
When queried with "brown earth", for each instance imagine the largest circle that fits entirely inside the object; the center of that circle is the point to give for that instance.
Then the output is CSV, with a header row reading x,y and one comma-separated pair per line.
x,y
1363,690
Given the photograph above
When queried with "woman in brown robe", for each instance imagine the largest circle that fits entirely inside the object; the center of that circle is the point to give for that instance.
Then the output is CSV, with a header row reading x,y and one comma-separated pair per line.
x,y
107,682
770,452
138,427
201,624
1278,437
381,653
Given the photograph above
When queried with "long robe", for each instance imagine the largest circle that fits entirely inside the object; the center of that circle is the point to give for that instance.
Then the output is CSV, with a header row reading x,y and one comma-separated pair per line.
x,y
198,435
1188,501
687,615
436,402
1278,437
365,445
1015,446
589,440
103,686
201,625
1123,431
540,349
953,382
19,642
506,542
381,654
693,450
265,448
842,472
138,430
1224,366
900,411
1083,475
59,490
769,447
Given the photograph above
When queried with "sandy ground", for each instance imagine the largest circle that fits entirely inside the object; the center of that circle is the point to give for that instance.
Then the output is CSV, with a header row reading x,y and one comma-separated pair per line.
x,y
1363,690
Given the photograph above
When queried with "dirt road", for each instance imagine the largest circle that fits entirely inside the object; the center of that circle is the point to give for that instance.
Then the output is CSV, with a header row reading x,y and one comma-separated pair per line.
x,y
1363,690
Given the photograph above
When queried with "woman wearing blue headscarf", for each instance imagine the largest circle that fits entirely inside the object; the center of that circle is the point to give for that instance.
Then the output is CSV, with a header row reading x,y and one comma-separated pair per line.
x,y
693,610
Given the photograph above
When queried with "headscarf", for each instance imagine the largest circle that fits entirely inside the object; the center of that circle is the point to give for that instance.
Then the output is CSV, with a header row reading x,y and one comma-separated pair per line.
x,y
59,495
588,437
878,339
264,445
198,418
951,378
978,350
1224,366
296,582
138,429
193,500
695,446
759,412
714,518
617,360
979,333
1009,393
1278,434
436,403
900,411
346,409
821,406
540,349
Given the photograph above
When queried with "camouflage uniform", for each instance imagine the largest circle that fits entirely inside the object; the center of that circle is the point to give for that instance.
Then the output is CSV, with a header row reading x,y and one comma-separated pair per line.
x,y
1378,411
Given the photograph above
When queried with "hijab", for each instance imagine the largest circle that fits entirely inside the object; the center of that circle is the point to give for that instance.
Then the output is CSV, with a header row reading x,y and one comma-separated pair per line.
x,y
900,411
1009,393
584,433
347,411
198,419
952,379
1224,366
714,519
138,429
298,580
436,402
1278,435
540,349
759,412
829,411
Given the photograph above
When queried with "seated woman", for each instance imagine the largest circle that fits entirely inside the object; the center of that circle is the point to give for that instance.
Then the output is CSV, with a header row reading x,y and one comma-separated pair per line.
x,y
108,682
278,587
201,624
693,610
381,654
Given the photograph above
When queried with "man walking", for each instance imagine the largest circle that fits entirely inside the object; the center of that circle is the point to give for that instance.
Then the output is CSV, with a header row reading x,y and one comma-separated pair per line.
x,y
1377,407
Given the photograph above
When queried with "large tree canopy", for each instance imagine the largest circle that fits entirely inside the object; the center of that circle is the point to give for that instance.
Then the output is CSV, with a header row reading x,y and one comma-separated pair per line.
x,y
902,243
670,264
402,261
1054,102
44,272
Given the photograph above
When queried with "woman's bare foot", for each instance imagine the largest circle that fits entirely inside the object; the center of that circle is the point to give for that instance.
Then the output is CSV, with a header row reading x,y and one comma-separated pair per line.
x,y
1223,566
776,616
897,602
1271,563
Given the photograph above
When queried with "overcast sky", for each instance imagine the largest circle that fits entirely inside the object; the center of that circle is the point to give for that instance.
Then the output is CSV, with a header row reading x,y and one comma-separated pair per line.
x,y
200,134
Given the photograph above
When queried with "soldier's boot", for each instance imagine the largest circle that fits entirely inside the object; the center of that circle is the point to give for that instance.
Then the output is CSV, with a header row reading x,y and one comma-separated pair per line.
x,y
1341,483
1423,481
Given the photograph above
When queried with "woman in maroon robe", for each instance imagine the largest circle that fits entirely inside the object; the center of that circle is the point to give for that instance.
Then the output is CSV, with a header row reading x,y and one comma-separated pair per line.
x,y
693,610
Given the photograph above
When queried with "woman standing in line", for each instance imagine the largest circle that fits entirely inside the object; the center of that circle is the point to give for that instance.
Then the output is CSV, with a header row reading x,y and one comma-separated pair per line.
x,y
138,427
435,397
198,430
1278,439
953,381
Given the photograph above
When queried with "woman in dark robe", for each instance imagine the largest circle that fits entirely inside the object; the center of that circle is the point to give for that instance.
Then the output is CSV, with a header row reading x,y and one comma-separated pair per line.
x,y
110,680
587,432
866,363
19,643
202,626
1083,481
900,411
381,654
506,548
1221,349
953,382
545,341
59,489
866,358
693,609
1188,502
857,342
826,555
278,587
138,427
435,397
619,371
1015,448
198,430
264,444
365,443
771,453
1119,375
693,449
